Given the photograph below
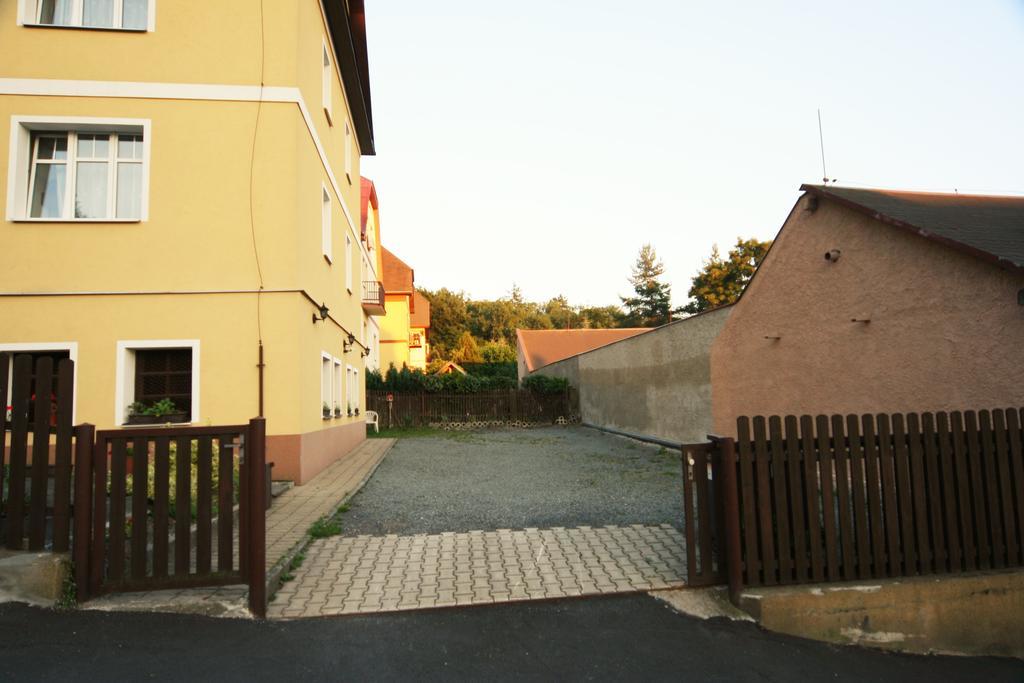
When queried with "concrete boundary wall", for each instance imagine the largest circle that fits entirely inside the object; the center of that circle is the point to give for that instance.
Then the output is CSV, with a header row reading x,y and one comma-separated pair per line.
x,y
656,384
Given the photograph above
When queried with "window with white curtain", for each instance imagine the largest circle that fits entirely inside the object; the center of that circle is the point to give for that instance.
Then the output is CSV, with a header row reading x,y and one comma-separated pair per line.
x,y
85,175
132,15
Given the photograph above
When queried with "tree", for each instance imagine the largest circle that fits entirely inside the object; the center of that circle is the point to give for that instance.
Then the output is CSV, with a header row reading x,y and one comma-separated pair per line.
x,y
601,317
721,281
467,350
498,352
652,305
449,318
561,314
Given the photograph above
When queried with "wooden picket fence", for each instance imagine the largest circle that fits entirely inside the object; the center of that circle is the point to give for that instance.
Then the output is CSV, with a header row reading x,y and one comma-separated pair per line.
x,y
415,409
838,498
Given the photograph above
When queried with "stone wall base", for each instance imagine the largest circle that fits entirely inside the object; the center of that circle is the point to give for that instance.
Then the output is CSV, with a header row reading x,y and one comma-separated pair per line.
x,y
974,614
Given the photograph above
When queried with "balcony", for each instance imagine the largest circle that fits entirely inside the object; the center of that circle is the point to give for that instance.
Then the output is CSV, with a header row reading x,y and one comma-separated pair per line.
x,y
373,297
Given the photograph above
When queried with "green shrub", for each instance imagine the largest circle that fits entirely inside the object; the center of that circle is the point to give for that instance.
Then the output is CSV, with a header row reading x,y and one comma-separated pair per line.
x,y
415,381
542,384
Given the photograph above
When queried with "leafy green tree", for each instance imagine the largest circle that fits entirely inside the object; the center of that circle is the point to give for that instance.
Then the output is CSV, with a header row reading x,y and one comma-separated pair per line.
x,y
562,315
467,350
601,317
652,305
721,281
498,352
449,318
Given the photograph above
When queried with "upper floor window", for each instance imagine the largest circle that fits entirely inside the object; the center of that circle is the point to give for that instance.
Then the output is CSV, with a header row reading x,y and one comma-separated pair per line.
x,y
326,238
326,84
86,175
348,153
68,173
132,15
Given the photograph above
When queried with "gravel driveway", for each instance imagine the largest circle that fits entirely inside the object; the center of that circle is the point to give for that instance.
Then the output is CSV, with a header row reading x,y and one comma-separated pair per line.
x,y
560,476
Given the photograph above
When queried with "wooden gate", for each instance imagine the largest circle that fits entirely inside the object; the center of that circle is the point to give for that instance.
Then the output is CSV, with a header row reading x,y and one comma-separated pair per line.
x,y
177,508
140,508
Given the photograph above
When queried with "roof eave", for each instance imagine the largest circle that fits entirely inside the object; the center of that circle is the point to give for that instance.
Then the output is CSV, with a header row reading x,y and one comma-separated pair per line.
x,y
348,31
902,225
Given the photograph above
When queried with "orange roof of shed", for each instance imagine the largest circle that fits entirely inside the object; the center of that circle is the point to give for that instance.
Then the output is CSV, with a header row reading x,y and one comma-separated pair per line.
x,y
543,347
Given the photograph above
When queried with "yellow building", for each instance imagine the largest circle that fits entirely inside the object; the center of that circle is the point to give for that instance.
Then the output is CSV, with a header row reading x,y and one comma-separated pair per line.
x,y
404,327
182,202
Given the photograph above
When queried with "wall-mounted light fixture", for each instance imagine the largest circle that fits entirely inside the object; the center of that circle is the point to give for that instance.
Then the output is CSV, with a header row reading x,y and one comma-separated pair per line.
x,y
832,255
346,345
321,314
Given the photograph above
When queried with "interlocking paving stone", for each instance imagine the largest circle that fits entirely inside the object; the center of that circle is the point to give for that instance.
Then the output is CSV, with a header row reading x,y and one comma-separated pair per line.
x,y
481,567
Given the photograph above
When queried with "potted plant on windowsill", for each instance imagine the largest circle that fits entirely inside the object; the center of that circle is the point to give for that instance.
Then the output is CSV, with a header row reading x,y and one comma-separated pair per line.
x,y
337,411
162,412
357,411
350,410
327,411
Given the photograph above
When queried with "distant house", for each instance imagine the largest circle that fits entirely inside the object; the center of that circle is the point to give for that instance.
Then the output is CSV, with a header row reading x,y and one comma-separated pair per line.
x,y
419,332
879,301
449,368
405,326
537,348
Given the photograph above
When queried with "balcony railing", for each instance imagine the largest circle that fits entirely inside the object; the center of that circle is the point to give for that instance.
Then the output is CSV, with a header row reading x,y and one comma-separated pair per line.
x,y
373,297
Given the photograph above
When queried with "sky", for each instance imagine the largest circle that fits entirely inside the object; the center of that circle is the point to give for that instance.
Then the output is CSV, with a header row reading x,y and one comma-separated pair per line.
x,y
542,144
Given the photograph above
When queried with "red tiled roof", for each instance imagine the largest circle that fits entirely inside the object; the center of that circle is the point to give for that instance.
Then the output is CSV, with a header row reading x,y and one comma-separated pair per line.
x,y
398,276
543,347
421,311
368,198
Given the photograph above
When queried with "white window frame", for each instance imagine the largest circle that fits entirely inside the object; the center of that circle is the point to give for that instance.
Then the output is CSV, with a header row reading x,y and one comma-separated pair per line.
x,y
28,15
352,389
21,153
28,347
326,76
326,384
337,391
348,152
348,262
326,230
124,381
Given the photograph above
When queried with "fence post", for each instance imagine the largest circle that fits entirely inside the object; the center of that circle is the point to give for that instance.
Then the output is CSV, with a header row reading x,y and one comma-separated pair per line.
x,y
85,435
256,458
730,501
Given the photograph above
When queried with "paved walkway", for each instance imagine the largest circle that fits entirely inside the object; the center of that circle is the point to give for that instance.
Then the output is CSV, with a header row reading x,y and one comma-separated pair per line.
x,y
346,575
299,507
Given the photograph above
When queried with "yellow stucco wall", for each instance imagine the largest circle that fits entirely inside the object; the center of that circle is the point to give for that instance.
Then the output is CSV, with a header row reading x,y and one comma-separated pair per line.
x,y
394,333
199,234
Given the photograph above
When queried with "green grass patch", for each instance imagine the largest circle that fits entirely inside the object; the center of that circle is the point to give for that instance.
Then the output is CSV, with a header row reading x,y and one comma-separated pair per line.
x,y
296,562
324,528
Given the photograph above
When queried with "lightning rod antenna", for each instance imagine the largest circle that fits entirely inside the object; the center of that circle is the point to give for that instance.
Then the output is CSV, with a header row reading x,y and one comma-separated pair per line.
x,y
821,143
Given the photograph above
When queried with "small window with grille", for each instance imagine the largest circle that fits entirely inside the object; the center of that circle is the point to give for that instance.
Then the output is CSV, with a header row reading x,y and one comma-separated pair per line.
x,y
164,374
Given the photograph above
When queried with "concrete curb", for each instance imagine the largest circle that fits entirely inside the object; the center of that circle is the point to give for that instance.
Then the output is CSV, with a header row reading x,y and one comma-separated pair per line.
x,y
274,573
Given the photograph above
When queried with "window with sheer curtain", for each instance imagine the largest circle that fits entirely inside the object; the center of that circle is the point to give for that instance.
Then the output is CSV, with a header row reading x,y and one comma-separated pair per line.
x,y
117,14
86,175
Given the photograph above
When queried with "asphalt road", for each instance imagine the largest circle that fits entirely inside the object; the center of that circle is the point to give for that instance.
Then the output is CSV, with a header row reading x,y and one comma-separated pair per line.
x,y
627,637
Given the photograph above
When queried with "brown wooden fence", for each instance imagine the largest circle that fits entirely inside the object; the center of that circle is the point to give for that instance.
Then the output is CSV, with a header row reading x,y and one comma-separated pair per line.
x,y
841,498
415,409
128,504
30,520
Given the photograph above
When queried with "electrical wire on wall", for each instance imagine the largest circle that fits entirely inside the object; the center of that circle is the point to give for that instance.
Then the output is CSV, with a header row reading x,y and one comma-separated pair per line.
x,y
252,212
